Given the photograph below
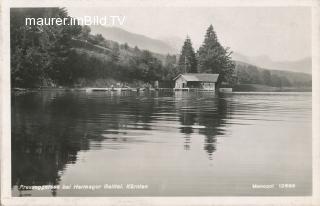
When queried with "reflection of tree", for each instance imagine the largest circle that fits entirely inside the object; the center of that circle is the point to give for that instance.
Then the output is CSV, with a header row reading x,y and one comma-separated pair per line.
x,y
50,128
187,120
208,111
39,149
213,121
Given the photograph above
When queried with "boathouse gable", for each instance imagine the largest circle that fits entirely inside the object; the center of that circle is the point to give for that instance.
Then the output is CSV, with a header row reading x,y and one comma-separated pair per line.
x,y
202,81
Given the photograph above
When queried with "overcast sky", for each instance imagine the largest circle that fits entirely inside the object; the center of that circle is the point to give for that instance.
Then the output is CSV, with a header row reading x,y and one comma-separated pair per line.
x,y
282,33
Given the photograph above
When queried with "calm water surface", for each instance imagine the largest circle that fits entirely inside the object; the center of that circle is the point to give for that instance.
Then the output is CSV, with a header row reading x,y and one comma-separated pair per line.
x,y
178,144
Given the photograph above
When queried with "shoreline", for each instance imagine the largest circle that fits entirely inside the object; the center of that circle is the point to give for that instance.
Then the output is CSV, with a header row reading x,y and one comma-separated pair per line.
x,y
105,89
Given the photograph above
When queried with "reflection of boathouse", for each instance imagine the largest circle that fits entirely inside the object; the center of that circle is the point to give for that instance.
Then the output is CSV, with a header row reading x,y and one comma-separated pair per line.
x,y
196,80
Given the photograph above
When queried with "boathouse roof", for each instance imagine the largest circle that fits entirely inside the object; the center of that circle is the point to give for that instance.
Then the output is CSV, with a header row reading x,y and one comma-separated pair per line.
x,y
198,77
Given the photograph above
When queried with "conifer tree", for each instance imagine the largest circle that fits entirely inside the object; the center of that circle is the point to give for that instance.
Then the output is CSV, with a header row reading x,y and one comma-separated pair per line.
x,y
187,60
214,58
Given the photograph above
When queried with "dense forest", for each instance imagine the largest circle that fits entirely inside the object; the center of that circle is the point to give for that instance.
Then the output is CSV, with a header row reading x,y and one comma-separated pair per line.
x,y
64,55
250,74
69,55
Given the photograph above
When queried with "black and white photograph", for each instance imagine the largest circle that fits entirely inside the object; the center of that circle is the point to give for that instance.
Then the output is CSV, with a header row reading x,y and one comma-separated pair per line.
x,y
171,101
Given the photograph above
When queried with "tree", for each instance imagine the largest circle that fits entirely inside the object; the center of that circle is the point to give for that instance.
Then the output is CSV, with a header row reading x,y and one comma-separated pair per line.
x,y
170,69
187,60
115,53
146,67
39,52
266,77
136,49
85,31
99,38
276,80
28,50
124,46
285,82
95,39
214,58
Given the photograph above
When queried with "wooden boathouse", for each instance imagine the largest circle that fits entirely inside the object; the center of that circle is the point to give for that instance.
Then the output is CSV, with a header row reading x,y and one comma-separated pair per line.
x,y
201,81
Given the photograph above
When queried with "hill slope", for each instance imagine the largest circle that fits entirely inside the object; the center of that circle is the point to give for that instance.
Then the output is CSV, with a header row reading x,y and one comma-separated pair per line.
x,y
246,73
303,65
143,42
172,45
251,74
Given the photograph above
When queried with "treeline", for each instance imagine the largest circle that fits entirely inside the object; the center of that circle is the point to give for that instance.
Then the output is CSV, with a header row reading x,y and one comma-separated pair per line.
x,y
84,64
39,53
54,55
135,64
65,55
249,74
111,60
211,57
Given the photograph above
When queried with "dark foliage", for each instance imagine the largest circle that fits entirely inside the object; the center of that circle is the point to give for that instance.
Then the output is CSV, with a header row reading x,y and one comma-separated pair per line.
x,y
39,52
214,58
187,60
65,55
249,74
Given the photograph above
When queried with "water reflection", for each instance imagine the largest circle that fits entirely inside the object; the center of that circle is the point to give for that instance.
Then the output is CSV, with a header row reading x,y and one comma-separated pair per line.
x,y
50,130
203,113
45,137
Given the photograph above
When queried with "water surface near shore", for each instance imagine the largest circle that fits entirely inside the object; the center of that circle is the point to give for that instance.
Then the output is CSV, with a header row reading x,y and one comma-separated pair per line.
x,y
172,144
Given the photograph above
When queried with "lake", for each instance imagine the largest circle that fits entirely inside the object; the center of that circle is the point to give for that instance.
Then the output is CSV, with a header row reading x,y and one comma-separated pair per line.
x,y
161,144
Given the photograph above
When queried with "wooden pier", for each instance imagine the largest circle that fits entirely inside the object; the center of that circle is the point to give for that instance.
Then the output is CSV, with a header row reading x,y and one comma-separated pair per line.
x,y
100,89
194,90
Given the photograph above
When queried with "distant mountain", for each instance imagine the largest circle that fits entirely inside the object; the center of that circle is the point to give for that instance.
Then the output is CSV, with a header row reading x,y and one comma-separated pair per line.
x,y
172,44
245,73
132,39
303,65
